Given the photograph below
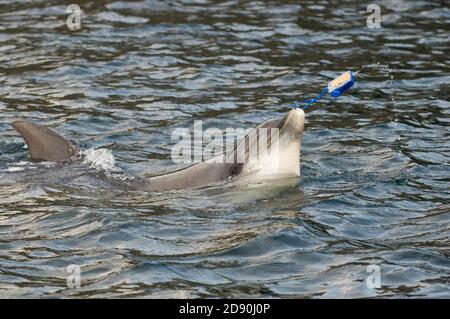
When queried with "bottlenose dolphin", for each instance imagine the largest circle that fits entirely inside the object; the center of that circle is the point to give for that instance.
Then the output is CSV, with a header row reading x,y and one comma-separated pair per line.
x,y
46,145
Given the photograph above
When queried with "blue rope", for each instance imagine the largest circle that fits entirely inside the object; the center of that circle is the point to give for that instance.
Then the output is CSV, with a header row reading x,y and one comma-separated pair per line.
x,y
311,101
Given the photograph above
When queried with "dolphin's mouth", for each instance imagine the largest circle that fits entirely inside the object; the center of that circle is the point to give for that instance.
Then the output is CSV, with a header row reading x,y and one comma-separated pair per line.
x,y
293,122
281,155
290,134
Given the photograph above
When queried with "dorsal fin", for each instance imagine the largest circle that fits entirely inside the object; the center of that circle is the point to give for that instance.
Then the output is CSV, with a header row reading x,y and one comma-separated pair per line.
x,y
43,143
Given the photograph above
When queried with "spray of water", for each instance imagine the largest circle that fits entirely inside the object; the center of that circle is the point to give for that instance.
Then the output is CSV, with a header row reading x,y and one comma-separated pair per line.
x,y
100,159
387,71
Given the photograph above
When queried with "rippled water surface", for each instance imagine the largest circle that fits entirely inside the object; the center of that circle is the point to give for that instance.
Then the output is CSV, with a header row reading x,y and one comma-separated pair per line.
x,y
375,177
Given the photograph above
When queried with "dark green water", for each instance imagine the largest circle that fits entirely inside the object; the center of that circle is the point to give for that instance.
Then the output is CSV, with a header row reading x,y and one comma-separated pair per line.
x,y
375,177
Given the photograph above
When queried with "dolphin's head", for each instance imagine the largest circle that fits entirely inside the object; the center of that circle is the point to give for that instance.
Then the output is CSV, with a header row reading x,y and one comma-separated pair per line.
x,y
281,156
294,120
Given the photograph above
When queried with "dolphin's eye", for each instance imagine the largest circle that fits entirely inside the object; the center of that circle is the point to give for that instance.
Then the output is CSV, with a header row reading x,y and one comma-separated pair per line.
x,y
235,169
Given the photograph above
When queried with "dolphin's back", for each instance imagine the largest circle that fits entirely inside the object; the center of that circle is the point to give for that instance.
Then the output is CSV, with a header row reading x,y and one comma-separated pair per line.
x,y
43,143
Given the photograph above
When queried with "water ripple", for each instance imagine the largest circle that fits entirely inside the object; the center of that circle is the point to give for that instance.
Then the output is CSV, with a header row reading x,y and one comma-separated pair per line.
x,y
374,186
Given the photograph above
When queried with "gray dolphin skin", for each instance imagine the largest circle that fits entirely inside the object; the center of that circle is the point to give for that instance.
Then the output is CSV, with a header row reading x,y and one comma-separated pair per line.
x,y
46,145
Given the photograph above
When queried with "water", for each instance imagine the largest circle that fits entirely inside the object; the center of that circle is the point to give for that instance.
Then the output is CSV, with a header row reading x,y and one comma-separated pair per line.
x,y
375,162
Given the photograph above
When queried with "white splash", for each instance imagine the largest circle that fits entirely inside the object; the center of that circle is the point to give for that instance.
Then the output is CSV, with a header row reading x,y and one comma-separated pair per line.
x,y
389,73
15,169
20,166
101,159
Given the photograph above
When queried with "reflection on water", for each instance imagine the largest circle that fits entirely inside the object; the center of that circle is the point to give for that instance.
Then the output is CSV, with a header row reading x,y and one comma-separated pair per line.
x,y
375,169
